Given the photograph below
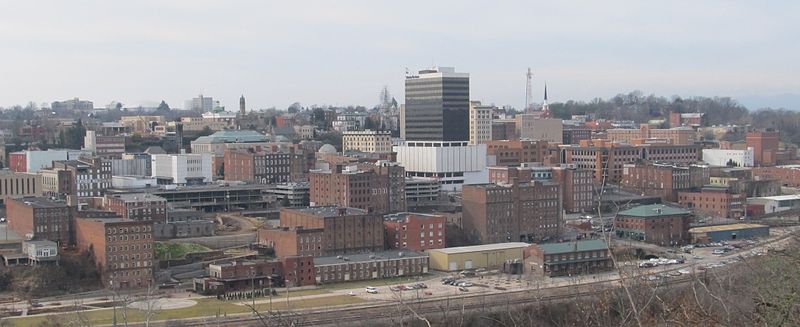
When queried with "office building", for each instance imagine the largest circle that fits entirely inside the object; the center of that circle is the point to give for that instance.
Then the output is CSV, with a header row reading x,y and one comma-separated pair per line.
x,y
676,135
533,127
437,105
104,146
182,169
714,201
480,122
200,104
452,163
664,180
71,105
378,188
263,166
137,206
516,152
17,185
367,141
83,177
574,134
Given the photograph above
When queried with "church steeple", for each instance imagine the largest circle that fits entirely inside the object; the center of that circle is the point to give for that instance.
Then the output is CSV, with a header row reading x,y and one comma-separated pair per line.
x,y
242,110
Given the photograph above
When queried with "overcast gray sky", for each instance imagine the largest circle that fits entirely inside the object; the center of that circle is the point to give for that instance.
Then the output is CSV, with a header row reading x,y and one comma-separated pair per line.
x,y
343,52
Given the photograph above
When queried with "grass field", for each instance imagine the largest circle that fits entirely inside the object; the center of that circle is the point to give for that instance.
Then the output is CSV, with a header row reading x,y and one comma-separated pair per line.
x,y
204,308
172,250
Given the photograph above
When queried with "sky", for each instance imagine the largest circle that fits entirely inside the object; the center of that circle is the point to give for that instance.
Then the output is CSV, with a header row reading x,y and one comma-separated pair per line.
x,y
344,52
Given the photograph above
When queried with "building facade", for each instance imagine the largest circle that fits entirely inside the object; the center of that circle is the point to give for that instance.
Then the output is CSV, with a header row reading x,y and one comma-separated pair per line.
x,y
480,122
729,157
265,167
452,163
656,224
516,152
17,185
38,218
570,258
437,105
714,201
367,141
183,169
137,206
415,231
370,266
523,211
532,127
122,250
765,147
664,180
104,146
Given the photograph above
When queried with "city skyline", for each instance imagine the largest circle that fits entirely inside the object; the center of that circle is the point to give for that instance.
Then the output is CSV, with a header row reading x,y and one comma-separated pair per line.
x,y
344,53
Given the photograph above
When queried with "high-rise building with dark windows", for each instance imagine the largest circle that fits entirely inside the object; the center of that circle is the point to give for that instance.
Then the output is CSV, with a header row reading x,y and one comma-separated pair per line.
x,y
437,105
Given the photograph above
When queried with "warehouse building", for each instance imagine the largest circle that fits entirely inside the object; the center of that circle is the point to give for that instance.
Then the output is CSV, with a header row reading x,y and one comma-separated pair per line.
x,y
732,232
478,256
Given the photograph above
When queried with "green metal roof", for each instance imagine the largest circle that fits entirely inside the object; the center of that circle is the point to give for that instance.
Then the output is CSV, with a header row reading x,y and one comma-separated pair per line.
x,y
653,210
569,247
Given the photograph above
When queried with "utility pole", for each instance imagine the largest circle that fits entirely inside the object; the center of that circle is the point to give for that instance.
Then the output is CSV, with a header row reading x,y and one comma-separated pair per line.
x,y
253,287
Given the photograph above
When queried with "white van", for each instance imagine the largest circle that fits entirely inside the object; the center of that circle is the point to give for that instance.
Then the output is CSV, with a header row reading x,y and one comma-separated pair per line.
x,y
372,290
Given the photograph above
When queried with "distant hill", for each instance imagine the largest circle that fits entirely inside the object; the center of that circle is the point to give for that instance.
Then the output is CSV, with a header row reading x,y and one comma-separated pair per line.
x,y
786,101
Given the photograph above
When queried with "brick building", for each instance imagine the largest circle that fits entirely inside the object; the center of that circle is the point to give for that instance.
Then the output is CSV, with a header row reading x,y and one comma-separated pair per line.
x,y
693,119
570,258
104,146
715,201
343,231
677,135
374,188
606,159
265,167
137,206
523,211
515,152
262,275
573,134
414,231
765,146
41,219
789,175
86,177
368,266
656,224
504,129
663,180
577,185
122,249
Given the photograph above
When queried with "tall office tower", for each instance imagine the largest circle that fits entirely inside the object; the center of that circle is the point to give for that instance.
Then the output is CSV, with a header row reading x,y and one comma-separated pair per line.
x,y
437,105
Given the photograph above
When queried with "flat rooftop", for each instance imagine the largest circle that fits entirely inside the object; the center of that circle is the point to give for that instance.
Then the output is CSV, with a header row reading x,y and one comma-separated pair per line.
x,y
721,228
569,247
330,211
780,197
133,197
41,202
653,211
480,248
368,257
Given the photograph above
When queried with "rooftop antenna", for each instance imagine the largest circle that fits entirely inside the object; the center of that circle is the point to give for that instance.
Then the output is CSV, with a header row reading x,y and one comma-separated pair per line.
x,y
528,92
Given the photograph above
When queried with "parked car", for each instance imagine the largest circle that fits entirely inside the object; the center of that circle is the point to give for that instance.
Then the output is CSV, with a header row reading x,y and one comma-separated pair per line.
x,y
463,289
351,293
372,290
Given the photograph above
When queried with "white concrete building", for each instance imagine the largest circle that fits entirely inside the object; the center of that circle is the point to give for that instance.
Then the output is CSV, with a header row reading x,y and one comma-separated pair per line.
x,y
773,204
128,182
183,168
452,163
36,160
480,122
721,157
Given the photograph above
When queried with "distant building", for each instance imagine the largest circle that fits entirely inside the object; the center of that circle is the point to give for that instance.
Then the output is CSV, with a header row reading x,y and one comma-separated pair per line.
x,y
570,258
367,141
788,175
375,188
200,103
104,146
262,276
437,105
664,180
516,152
415,231
297,194
17,185
132,164
28,161
421,192
137,206
83,177
656,224
573,134
452,163
726,157
693,120
71,105
765,146
504,129
774,204
677,135
531,127
183,169
263,166
41,252
367,266
480,122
